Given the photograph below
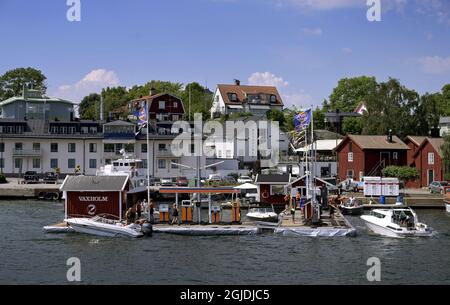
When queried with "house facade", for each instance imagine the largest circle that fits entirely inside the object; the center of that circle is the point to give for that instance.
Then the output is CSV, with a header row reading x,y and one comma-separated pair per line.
x,y
238,98
360,156
444,125
272,188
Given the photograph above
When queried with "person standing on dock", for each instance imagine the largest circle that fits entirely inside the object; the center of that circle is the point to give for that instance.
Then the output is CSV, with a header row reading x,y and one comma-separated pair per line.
x,y
293,214
175,215
139,209
152,210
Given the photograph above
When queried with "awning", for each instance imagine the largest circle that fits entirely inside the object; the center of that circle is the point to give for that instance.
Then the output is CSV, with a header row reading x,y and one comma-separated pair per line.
x,y
235,106
260,107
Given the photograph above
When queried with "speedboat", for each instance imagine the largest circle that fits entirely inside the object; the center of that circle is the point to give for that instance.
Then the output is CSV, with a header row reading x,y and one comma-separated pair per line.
x,y
103,226
351,207
262,214
396,222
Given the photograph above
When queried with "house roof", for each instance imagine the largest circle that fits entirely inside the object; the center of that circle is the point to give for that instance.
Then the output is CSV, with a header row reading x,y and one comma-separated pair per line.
x,y
322,145
33,99
152,97
119,123
436,143
94,183
242,91
416,139
273,179
374,142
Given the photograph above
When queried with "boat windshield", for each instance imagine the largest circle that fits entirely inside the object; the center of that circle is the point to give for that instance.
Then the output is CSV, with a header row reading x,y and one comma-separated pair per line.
x,y
104,218
261,210
403,218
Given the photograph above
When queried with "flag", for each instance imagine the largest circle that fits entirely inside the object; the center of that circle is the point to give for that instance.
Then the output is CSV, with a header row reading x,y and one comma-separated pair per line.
x,y
302,120
141,114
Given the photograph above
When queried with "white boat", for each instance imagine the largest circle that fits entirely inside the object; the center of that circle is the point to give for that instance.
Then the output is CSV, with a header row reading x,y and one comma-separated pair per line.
x,y
447,207
103,226
262,214
396,222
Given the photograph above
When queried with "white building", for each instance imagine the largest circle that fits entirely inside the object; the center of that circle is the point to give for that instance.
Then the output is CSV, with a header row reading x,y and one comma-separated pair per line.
x,y
444,125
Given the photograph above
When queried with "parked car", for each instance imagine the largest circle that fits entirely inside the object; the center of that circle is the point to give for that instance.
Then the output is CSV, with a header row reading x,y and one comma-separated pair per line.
x,y
166,182
244,179
438,187
182,181
214,178
50,177
31,176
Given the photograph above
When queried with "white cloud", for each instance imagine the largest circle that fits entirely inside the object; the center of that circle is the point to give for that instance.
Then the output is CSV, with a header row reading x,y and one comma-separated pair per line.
x,y
266,79
92,82
323,5
312,31
299,100
435,64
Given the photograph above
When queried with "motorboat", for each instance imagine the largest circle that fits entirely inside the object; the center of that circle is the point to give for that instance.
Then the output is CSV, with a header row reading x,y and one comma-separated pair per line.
x,y
351,207
396,222
103,225
262,214
447,207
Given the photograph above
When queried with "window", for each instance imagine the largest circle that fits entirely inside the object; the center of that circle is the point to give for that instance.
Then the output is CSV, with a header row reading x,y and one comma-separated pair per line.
x,y
350,173
36,163
143,148
71,163
129,148
273,99
71,147
144,163
93,130
233,97
175,104
36,146
431,158
108,161
84,130
2,147
162,147
108,148
162,105
175,117
18,163
53,163
92,163
18,146
72,130
161,163
395,155
350,147
172,165
92,147
54,147
2,162
276,190
350,157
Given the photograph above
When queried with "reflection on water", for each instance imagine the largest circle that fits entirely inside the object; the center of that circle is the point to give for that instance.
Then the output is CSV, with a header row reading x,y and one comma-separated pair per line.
x,y
30,256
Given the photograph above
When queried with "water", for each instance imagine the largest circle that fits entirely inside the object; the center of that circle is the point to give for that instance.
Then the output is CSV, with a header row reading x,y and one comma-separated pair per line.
x,y
28,256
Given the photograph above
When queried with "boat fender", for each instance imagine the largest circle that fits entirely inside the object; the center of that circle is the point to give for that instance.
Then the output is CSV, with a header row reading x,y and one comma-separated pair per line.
x,y
265,194
55,196
48,196
147,229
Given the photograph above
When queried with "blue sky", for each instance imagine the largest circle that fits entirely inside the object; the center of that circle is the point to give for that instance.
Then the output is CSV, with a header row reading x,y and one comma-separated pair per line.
x,y
302,46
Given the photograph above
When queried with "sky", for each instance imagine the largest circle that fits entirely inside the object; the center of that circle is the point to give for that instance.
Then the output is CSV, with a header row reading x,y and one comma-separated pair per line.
x,y
302,46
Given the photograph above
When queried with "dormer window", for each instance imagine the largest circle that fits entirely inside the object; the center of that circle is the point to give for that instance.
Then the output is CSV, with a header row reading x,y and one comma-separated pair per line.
x,y
233,97
273,99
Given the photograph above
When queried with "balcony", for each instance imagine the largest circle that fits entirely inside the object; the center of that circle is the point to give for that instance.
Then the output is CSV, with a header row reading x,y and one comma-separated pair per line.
x,y
27,152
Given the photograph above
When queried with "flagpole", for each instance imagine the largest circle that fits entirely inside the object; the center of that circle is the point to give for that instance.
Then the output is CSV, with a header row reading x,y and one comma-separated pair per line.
x,y
148,160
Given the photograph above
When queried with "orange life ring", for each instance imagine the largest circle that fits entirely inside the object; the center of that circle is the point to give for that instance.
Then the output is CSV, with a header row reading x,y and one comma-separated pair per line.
x,y
265,194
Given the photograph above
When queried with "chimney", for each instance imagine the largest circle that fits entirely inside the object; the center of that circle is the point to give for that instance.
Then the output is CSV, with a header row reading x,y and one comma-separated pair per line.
x,y
153,91
389,137
237,82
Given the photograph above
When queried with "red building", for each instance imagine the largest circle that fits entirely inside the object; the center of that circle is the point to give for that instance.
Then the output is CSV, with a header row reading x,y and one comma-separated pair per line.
x,y
271,188
413,142
360,156
163,107
428,160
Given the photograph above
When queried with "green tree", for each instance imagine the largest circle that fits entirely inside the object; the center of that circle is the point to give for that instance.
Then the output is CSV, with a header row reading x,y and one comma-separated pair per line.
x,y
352,126
350,92
12,82
277,115
445,148
201,100
403,173
89,107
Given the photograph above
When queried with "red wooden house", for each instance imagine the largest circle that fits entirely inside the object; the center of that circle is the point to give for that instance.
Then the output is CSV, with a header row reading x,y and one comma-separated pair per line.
x,y
163,107
271,188
428,160
362,155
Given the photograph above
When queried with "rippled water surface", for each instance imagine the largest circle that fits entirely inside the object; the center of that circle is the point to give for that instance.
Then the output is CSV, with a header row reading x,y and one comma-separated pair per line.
x,y
28,256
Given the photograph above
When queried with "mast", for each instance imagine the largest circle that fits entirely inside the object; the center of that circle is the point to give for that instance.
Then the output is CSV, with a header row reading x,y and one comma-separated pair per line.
x,y
148,160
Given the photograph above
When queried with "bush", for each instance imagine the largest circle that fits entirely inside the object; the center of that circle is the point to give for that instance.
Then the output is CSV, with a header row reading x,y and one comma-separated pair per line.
x,y
403,173
447,177
3,179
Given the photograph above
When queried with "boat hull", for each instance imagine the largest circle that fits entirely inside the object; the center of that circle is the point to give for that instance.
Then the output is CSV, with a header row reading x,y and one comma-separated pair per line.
x,y
447,207
104,231
381,230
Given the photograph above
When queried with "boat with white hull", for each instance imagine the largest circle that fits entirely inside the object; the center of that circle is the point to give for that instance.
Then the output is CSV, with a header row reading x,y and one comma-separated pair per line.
x,y
102,226
262,214
396,222
447,207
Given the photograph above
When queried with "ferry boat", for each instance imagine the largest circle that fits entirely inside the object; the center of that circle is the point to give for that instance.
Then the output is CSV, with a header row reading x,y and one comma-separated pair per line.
x,y
102,225
396,222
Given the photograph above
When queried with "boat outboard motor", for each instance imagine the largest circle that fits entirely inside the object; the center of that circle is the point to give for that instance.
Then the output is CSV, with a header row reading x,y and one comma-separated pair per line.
x,y
147,229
